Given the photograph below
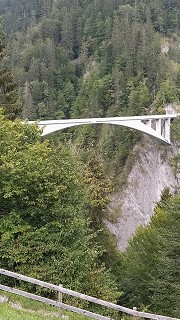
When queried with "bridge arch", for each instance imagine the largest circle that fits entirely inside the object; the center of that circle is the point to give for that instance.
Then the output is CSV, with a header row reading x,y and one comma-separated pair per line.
x,y
157,126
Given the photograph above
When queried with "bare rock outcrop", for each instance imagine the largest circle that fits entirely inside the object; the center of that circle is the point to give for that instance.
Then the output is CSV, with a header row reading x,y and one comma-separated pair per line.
x,y
150,173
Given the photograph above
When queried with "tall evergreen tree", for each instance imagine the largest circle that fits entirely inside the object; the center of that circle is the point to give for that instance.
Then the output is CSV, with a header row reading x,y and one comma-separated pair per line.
x,y
8,90
28,111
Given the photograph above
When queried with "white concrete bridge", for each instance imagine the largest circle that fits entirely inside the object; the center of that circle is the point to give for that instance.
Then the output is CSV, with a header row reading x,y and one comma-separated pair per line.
x,y
157,126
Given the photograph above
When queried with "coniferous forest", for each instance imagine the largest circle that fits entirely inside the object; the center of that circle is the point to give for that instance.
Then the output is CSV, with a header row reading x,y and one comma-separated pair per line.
x,y
62,59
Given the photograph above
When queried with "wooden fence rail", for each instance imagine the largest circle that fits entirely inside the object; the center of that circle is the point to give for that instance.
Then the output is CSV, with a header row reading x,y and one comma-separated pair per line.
x,y
60,305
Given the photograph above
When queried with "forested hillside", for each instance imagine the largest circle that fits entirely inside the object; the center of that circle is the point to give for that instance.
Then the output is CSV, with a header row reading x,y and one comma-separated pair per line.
x,y
73,59
93,59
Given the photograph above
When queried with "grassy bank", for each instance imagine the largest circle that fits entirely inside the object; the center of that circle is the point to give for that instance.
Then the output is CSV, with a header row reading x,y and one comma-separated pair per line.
x,y
30,309
7,312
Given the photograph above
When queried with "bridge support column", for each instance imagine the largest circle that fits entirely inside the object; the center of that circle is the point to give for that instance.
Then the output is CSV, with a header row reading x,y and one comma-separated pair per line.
x,y
149,123
158,126
167,123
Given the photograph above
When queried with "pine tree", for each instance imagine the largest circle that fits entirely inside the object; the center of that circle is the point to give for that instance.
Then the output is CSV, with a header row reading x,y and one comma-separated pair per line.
x,y
8,93
28,111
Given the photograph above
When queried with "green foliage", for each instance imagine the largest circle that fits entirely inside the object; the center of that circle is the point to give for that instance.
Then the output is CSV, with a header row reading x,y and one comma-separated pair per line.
x,y
60,40
44,227
8,94
167,93
151,273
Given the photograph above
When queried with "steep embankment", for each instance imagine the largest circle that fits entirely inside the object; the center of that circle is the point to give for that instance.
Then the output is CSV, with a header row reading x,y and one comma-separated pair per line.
x,y
151,172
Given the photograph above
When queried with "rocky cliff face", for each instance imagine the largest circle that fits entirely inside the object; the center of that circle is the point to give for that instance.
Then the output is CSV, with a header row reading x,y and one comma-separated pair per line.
x,y
151,172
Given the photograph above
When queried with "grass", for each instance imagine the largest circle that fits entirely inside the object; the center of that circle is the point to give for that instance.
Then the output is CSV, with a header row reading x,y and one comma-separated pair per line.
x,y
9,313
31,309
34,310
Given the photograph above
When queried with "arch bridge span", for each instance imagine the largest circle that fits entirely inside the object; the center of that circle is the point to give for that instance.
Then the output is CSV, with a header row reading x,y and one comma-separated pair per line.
x,y
157,126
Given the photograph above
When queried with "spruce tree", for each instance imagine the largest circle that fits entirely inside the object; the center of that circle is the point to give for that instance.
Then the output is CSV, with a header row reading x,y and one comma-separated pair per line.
x,y
8,92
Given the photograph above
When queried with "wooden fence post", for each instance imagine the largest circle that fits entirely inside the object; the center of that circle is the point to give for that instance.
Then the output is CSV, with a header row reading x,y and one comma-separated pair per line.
x,y
135,309
60,300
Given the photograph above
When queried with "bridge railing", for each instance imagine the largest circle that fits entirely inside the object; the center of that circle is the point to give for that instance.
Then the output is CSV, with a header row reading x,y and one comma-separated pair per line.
x,y
61,290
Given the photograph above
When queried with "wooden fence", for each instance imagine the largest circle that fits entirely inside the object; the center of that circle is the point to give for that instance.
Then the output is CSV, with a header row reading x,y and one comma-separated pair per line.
x,y
61,290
